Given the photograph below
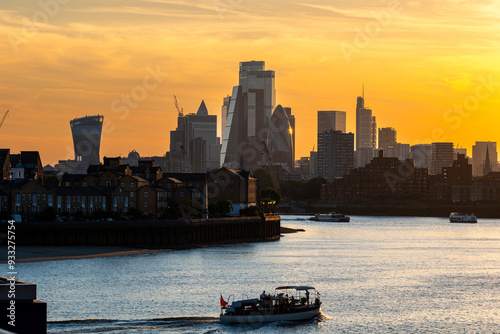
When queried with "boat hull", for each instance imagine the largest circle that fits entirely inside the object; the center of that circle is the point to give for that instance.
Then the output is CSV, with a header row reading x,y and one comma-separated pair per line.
x,y
463,221
262,318
331,220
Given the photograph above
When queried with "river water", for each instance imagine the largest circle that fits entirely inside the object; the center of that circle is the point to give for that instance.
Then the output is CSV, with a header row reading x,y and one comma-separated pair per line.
x,y
375,275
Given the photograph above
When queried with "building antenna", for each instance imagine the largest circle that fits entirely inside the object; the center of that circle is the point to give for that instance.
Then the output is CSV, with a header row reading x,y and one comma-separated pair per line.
x,y
363,92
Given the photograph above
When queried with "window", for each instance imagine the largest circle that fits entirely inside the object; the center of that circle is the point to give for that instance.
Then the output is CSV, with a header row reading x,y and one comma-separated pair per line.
x,y
44,197
182,194
145,194
108,183
24,197
123,184
231,181
146,204
169,194
169,186
29,197
131,194
132,185
84,184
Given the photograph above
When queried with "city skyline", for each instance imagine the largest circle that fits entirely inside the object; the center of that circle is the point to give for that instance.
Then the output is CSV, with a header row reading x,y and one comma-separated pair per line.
x,y
423,61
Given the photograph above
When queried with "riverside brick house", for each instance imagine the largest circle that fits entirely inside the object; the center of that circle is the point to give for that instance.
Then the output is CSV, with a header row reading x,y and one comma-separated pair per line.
x,y
115,187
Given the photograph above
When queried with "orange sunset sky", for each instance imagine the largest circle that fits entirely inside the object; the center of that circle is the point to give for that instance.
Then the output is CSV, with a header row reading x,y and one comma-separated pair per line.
x,y
430,67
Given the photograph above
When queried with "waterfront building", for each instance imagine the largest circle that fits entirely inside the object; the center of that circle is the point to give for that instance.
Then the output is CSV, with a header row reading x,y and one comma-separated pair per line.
x,y
442,156
479,157
387,138
331,120
335,154
382,179
238,186
26,165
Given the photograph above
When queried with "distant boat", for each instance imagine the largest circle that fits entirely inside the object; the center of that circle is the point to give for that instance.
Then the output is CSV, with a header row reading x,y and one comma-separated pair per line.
x,y
331,217
283,306
456,217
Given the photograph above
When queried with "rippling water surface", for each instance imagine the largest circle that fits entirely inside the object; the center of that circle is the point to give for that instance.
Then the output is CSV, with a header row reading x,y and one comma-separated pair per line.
x,y
375,275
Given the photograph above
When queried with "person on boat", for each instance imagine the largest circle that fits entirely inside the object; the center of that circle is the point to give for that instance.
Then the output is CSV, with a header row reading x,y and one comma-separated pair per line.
x,y
307,297
263,295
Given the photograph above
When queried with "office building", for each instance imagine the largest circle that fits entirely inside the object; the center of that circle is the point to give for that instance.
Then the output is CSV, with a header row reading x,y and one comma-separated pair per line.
x,y
249,111
386,138
86,133
291,121
279,139
442,156
479,157
422,155
335,154
196,127
313,165
366,133
331,120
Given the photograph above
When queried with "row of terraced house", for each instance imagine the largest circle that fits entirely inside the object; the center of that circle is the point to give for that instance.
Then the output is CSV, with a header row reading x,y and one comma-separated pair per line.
x,y
119,188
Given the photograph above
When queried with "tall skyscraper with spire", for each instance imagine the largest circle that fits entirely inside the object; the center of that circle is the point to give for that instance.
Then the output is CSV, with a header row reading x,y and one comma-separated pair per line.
x,y
365,125
366,132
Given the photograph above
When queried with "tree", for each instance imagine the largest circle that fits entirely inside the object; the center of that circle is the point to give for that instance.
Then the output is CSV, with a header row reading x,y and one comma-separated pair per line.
x,y
269,199
272,194
220,208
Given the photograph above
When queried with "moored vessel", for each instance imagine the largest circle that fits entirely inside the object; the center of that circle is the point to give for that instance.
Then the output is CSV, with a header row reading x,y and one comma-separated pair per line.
x,y
330,217
291,303
456,217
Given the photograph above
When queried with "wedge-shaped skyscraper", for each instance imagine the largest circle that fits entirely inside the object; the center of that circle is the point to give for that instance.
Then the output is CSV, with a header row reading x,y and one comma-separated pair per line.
x,y
87,140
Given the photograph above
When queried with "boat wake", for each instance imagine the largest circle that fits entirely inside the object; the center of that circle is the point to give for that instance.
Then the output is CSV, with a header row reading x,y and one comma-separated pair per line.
x,y
174,324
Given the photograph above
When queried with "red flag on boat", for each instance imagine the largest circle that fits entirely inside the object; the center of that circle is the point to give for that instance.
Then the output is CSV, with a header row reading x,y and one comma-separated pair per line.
x,y
223,303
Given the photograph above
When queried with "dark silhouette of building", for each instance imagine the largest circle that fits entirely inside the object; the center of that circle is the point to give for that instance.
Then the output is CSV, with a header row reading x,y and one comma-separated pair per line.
x,y
86,140
335,154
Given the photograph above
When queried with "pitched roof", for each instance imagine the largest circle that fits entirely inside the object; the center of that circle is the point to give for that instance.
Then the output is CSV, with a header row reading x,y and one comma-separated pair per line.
x,y
73,177
15,184
3,155
187,177
202,110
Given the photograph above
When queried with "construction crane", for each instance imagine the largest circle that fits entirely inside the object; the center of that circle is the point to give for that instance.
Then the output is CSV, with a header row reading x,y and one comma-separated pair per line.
x,y
4,117
274,178
179,110
186,159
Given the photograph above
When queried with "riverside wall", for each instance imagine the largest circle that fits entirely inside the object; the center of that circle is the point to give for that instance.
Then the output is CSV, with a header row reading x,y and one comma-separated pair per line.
x,y
176,234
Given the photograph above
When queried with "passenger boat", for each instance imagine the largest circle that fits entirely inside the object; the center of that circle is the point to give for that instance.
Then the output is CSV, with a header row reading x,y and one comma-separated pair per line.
x,y
330,217
289,303
456,217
